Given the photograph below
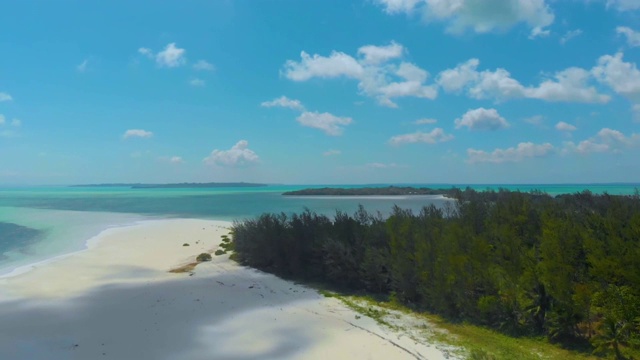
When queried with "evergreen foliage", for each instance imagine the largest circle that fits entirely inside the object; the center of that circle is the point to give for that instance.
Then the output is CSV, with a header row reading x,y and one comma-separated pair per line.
x,y
526,264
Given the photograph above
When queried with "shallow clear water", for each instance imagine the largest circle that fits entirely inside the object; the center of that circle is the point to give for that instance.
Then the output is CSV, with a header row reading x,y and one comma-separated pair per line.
x,y
66,217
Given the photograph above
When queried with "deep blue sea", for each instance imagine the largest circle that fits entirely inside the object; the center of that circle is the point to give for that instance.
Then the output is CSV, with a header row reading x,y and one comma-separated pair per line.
x,y
38,223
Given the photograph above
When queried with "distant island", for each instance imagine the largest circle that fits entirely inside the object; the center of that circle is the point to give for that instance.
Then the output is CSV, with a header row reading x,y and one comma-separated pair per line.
x,y
370,191
177,186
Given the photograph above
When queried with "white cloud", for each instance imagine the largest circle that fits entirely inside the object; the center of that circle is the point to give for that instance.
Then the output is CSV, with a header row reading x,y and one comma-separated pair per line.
x,y
197,82
285,102
336,65
563,126
377,76
203,65
14,122
587,147
239,155
624,5
398,6
380,54
622,77
377,165
8,134
83,66
482,119
456,79
425,121
137,133
435,136
174,160
525,150
606,140
569,85
332,152
477,15
146,52
330,124
633,37
536,120
171,56
5,97
539,32
496,84
570,35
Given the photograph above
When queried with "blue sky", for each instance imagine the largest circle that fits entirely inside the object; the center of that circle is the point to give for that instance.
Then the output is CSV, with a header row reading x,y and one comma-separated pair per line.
x,y
331,91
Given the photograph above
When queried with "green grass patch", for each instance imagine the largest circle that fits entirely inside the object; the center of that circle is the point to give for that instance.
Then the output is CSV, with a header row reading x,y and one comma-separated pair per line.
x,y
479,343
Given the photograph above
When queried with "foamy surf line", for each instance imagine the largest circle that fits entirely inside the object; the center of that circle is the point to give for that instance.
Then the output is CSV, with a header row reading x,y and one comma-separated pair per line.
x,y
118,299
88,243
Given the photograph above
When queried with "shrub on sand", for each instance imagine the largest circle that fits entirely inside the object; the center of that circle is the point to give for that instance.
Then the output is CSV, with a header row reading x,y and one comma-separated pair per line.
x,y
203,257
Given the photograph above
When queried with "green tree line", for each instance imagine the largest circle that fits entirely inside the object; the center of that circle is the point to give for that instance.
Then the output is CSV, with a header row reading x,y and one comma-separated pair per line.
x,y
526,264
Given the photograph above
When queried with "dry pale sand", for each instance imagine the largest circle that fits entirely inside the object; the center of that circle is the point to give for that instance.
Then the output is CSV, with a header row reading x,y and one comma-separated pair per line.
x,y
117,300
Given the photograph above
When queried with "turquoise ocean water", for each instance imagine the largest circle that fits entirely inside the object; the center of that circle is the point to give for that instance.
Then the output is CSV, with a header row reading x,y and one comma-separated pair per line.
x,y
52,221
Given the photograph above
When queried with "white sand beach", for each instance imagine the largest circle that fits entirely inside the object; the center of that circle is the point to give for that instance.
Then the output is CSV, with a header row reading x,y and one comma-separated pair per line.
x,y
117,300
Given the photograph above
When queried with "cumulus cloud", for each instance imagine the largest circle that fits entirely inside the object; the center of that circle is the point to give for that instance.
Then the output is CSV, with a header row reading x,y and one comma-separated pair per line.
x,y
563,126
536,120
171,56
83,66
380,54
238,156
434,136
174,160
475,15
285,102
425,121
524,150
377,165
379,71
332,152
399,6
16,122
330,124
203,65
623,77
606,140
132,133
197,82
624,5
569,85
456,79
335,65
5,97
482,119
146,52
633,37
570,35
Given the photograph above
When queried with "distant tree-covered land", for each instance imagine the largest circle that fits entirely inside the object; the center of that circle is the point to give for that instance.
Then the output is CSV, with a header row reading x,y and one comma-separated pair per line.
x,y
175,186
526,264
369,191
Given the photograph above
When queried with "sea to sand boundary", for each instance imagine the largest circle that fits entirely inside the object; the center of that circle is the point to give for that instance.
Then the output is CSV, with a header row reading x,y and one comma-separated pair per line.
x,y
118,300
